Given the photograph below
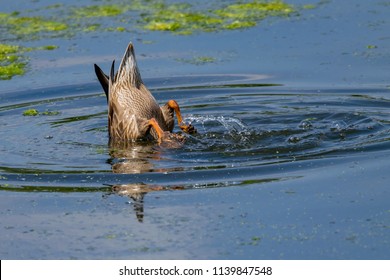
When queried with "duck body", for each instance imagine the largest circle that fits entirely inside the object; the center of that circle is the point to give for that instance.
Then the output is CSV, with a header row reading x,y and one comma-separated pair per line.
x,y
133,112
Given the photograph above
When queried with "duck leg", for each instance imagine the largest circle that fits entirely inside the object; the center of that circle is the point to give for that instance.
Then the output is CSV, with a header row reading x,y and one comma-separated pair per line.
x,y
171,140
160,133
172,104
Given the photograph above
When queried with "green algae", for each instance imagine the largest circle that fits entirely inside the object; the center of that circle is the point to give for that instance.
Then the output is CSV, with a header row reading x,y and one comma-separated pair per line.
x,y
31,112
154,15
255,10
180,19
124,16
159,25
7,52
183,20
47,48
50,113
309,6
98,11
34,112
10,62
121,29
12,69
245,15
92,27
28,26
13,61
199,60
238,24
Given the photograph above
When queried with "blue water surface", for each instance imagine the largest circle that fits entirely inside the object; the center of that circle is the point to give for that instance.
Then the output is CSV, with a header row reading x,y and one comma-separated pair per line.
x,y
291,159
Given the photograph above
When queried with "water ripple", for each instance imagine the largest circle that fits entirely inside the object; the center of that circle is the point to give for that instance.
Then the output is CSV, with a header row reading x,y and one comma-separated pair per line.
x,y
243,130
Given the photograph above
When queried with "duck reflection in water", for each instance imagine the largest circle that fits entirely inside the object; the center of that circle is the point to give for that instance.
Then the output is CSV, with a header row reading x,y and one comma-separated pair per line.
x,y
136,158
137,193
134,121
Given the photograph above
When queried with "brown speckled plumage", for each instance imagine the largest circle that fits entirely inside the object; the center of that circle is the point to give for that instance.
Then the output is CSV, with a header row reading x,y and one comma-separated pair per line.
x,y
133,112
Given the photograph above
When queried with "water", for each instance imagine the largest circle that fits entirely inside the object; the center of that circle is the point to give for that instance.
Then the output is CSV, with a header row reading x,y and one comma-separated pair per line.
x,y
284,166
271,170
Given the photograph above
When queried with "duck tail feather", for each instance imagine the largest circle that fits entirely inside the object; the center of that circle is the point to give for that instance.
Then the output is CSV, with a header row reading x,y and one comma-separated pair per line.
x,y
103,79
112,76
128,69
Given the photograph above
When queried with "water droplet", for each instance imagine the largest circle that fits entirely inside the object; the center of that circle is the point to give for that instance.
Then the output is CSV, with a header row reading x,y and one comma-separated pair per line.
x,y
305,124
294,139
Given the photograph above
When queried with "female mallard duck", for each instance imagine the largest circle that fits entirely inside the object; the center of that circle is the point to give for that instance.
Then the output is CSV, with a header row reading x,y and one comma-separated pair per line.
x,y
133,112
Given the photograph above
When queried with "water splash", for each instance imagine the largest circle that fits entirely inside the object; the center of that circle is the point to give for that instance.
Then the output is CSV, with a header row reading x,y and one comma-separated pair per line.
x,y
229,123
220,132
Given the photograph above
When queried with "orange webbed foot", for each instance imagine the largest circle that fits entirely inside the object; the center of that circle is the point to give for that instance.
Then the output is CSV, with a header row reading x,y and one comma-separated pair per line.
x,y
190,129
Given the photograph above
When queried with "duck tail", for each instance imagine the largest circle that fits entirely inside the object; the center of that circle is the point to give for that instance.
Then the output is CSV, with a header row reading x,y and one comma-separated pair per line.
x,y
112,76
111,81
103,79
128,69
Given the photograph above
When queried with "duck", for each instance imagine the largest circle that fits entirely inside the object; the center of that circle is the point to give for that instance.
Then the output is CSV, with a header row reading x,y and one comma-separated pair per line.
x,y
133,112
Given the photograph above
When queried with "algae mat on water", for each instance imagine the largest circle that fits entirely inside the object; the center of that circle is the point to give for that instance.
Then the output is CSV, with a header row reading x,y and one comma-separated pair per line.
x,y
10,62
13,61
121,16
